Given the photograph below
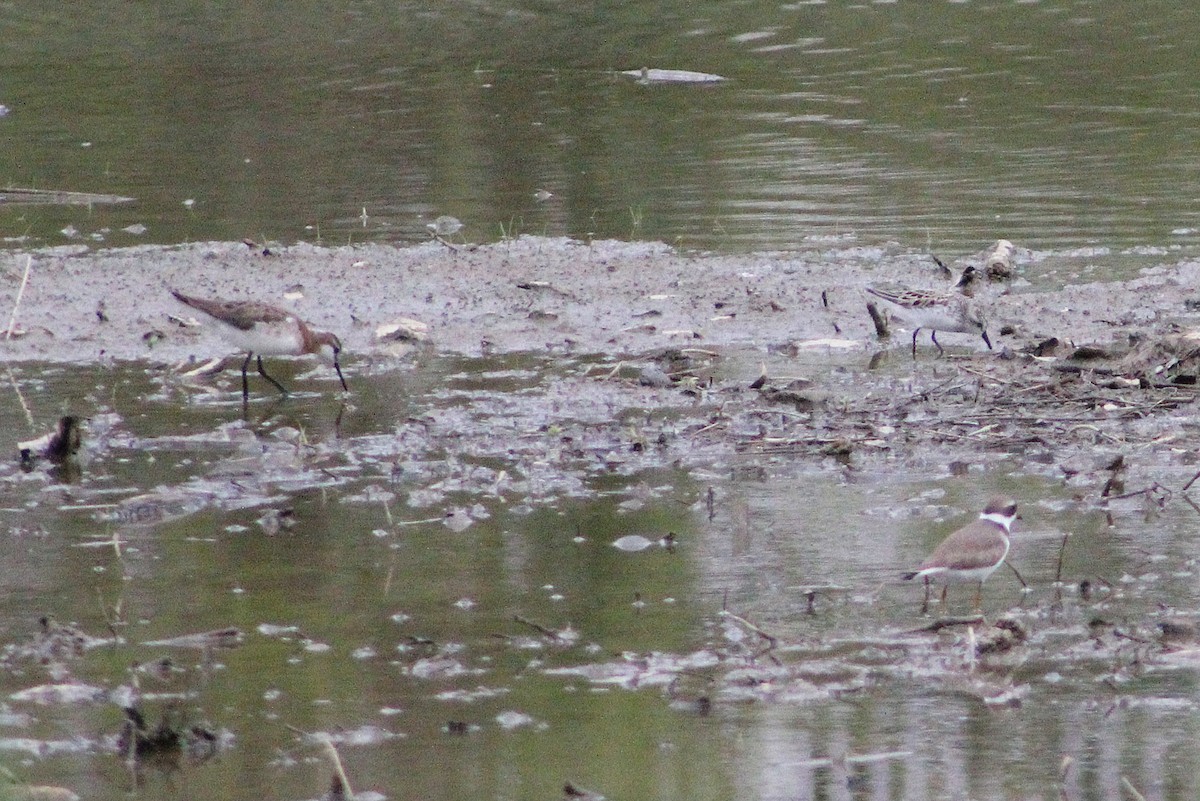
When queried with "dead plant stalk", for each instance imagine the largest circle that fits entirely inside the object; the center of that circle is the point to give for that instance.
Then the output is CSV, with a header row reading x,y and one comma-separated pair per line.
x,y
12,321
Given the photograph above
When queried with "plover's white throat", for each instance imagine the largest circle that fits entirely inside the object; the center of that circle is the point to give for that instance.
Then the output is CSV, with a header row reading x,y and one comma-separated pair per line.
x,y
260,329
934,310
974,551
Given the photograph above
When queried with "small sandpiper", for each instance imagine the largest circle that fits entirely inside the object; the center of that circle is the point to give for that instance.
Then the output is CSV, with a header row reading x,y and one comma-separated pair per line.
x,y
258,329
58,445
973,552
935,311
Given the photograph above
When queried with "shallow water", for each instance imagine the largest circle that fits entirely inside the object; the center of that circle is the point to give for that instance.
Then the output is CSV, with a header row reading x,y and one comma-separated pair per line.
x,y
944,126
447,595
426,572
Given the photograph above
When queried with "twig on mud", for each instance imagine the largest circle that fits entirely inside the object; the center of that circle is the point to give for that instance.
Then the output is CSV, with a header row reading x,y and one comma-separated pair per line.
x,y
1087,420
1114,482
25,407
263,249
770,638
1034,388
715,420
1061,551
12,320
1129,788
926,394
791,444
881,326
856,759
701,351
946,435
1017,573
544,286
339,772
943,270
109,623
947,622
977,372
1096,430
439,238
714,424
796,415
1120,635
613,373
1149,492
1191,503
538,627
419,522
983,430
1064,772
1186,486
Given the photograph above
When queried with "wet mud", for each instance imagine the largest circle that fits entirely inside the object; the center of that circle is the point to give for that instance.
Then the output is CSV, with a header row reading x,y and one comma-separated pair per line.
x,y
1087,364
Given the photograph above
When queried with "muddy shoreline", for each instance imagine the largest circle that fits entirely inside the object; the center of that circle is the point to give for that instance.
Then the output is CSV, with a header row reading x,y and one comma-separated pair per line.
x,y
534,294
636,306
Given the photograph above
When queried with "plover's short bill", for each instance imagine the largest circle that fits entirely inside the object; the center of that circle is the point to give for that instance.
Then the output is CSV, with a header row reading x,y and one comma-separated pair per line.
x,y
974,551
260,329
936,311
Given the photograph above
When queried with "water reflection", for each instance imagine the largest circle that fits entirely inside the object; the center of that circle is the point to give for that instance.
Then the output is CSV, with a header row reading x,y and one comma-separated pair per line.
x,y
940,125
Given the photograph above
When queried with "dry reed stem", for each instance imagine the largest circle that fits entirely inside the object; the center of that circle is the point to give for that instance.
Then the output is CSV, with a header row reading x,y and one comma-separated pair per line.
x,y
12,320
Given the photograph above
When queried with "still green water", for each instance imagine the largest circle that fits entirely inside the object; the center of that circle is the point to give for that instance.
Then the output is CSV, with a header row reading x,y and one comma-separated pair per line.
x,y
940,125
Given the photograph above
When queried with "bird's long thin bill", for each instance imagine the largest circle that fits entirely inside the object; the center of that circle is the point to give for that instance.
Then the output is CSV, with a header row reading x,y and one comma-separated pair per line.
x,y
342,378
987,341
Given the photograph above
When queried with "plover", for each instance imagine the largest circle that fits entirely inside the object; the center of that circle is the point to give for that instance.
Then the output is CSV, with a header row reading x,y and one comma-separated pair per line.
x,y
974,551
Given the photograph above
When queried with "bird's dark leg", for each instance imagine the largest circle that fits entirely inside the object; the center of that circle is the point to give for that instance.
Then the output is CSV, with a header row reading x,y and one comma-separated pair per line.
x,y
262,371
245,380
915,332
945,589
933,336
925,603
338,367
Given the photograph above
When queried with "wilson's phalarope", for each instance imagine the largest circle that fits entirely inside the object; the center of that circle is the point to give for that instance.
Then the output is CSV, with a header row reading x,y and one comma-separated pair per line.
x,y
258,329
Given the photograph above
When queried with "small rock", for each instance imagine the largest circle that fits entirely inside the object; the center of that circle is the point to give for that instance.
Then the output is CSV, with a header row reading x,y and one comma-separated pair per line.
x,y
403,330
653,376
998,263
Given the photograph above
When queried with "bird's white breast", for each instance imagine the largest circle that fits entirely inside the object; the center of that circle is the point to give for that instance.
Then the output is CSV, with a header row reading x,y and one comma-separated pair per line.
x,y
269,339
